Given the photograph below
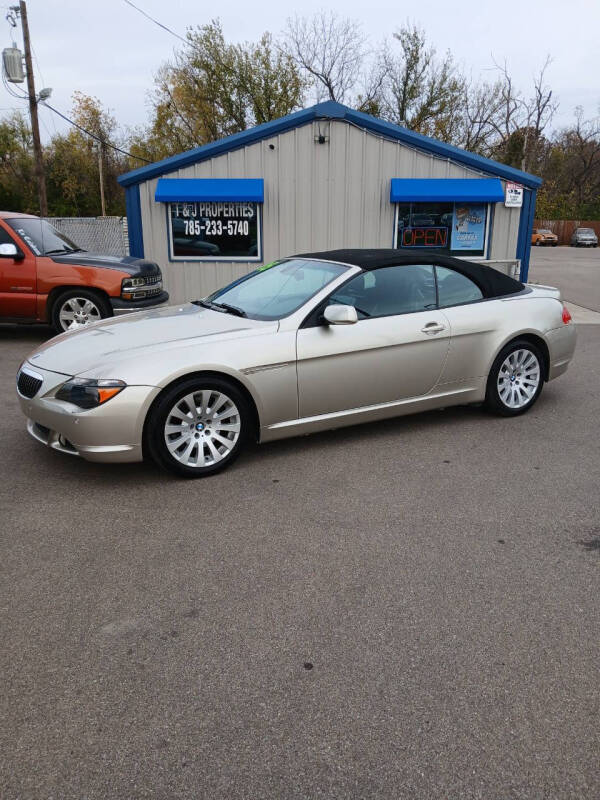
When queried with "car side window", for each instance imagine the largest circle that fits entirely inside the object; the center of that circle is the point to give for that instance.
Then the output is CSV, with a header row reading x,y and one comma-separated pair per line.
x,y
455,289
388,291
5,238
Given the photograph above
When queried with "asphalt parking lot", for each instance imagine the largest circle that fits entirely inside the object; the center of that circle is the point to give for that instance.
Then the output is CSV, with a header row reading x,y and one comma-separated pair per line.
x,y
403,610
575,270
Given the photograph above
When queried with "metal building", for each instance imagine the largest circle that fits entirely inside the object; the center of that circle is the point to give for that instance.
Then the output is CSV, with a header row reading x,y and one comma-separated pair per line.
x,y
322,178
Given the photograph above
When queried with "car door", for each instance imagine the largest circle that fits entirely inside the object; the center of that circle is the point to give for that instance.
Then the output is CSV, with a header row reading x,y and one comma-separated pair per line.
x,y
474,322
396,350
18,281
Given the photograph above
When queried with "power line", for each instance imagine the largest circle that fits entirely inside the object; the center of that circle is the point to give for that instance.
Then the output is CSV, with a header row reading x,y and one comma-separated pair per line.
x,y
93,135
156,22
43,84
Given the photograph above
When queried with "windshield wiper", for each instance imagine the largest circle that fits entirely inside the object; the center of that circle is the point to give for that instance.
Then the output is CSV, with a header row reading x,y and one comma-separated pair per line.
x,y
239,312
222,307
64,250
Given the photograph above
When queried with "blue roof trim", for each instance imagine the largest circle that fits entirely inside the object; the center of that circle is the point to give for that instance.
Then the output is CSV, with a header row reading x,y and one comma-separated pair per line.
x,y
173,190
134,221
329,110
440,190
524,235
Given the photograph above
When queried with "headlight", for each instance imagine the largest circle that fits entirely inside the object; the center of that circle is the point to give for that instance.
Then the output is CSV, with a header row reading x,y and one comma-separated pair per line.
x,y
139,288
89,393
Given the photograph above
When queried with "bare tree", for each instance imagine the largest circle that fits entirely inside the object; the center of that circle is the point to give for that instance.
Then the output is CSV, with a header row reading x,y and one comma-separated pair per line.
x,y
420,91
580,146
483,105
330,49
539,111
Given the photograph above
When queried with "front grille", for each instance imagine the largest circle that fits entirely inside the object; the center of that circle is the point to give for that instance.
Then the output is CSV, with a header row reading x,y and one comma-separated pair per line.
x,y
27,385
142,294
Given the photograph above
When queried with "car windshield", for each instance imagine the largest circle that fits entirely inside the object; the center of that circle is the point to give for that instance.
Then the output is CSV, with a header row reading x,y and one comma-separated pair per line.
x,y
276,290
41,236
544,230
585,230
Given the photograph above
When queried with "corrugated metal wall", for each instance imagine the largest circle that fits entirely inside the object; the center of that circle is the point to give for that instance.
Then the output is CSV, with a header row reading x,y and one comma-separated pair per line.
x,y
317,197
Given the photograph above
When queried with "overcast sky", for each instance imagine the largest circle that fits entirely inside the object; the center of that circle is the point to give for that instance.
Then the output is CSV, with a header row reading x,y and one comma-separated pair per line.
x,y
107,49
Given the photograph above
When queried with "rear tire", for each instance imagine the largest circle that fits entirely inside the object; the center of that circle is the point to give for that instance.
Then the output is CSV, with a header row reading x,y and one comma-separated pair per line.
x,y
76,308
516,379
197,427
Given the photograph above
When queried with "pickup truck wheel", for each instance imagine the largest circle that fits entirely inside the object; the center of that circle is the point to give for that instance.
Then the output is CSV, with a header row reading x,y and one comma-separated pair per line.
x,y
77,308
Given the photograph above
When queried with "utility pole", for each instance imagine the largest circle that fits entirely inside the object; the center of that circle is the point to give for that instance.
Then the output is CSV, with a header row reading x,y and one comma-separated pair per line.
x,y
33,111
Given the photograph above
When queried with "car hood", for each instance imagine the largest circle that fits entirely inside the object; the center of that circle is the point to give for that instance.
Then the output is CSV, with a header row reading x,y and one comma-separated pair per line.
x,y
133,266
136,335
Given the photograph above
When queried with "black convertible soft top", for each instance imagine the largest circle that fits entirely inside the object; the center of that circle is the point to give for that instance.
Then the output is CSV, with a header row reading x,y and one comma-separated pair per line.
x,y
492,282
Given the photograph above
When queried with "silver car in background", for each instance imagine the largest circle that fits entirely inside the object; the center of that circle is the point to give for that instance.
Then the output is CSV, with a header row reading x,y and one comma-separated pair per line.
x,y
308,343
584,237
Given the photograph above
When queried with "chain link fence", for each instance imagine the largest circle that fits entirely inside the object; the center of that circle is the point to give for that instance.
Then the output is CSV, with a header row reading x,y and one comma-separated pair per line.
x,y
107,235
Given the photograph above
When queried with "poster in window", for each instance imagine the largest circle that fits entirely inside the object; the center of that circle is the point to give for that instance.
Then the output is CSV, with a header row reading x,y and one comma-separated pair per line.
x,y
468,227
213,231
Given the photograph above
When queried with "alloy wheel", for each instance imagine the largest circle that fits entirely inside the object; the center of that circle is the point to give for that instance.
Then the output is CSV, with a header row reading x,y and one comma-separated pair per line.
x,y
519,377
76,312
202,428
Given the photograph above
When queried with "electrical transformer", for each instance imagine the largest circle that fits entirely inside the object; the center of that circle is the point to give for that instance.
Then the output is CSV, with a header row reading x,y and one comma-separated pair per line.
x,y
12,61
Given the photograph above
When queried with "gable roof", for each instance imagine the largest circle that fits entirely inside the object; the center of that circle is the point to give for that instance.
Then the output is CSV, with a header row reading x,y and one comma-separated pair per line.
x,y
330,110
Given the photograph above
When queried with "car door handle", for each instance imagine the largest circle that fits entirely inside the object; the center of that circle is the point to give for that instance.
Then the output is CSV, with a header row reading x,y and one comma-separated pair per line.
x,y
433,327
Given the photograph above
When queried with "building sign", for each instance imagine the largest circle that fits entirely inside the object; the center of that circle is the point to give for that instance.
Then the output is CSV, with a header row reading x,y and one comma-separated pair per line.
x,y
214,231
468,227
514,195
424,237
454,228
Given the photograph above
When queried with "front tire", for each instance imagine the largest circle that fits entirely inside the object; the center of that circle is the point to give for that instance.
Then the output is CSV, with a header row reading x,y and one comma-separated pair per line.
x,y
516,379
197,427
76,308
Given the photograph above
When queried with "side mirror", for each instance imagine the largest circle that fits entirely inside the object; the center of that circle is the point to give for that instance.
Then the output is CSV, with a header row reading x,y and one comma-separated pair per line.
x,y
340,315
10,251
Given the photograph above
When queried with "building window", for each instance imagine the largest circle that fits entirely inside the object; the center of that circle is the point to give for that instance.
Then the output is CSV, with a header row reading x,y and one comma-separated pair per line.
x,y
452,228
215,231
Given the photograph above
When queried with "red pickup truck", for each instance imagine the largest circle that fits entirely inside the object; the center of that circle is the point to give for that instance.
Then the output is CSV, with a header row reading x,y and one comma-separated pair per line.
x,y
44,277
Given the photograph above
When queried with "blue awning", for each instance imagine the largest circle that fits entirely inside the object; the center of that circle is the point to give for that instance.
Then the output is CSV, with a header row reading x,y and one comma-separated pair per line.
x,y
444,190
194,190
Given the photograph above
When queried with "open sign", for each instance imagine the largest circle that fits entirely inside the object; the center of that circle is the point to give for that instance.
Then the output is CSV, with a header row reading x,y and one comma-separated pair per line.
x,y
424,237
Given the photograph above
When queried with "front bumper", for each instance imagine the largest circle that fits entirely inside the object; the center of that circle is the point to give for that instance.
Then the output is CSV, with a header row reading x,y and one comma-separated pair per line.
x,y
112,432
121,306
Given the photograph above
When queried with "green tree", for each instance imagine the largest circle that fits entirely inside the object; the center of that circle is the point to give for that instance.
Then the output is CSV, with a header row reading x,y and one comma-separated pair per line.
x,y
73,172
213,89
17,181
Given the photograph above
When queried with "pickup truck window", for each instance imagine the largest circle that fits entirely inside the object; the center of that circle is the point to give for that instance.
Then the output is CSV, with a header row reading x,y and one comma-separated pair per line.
x,y
5,238
42,237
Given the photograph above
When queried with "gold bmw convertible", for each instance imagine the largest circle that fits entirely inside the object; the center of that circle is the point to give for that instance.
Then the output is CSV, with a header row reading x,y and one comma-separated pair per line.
x,y
311,342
